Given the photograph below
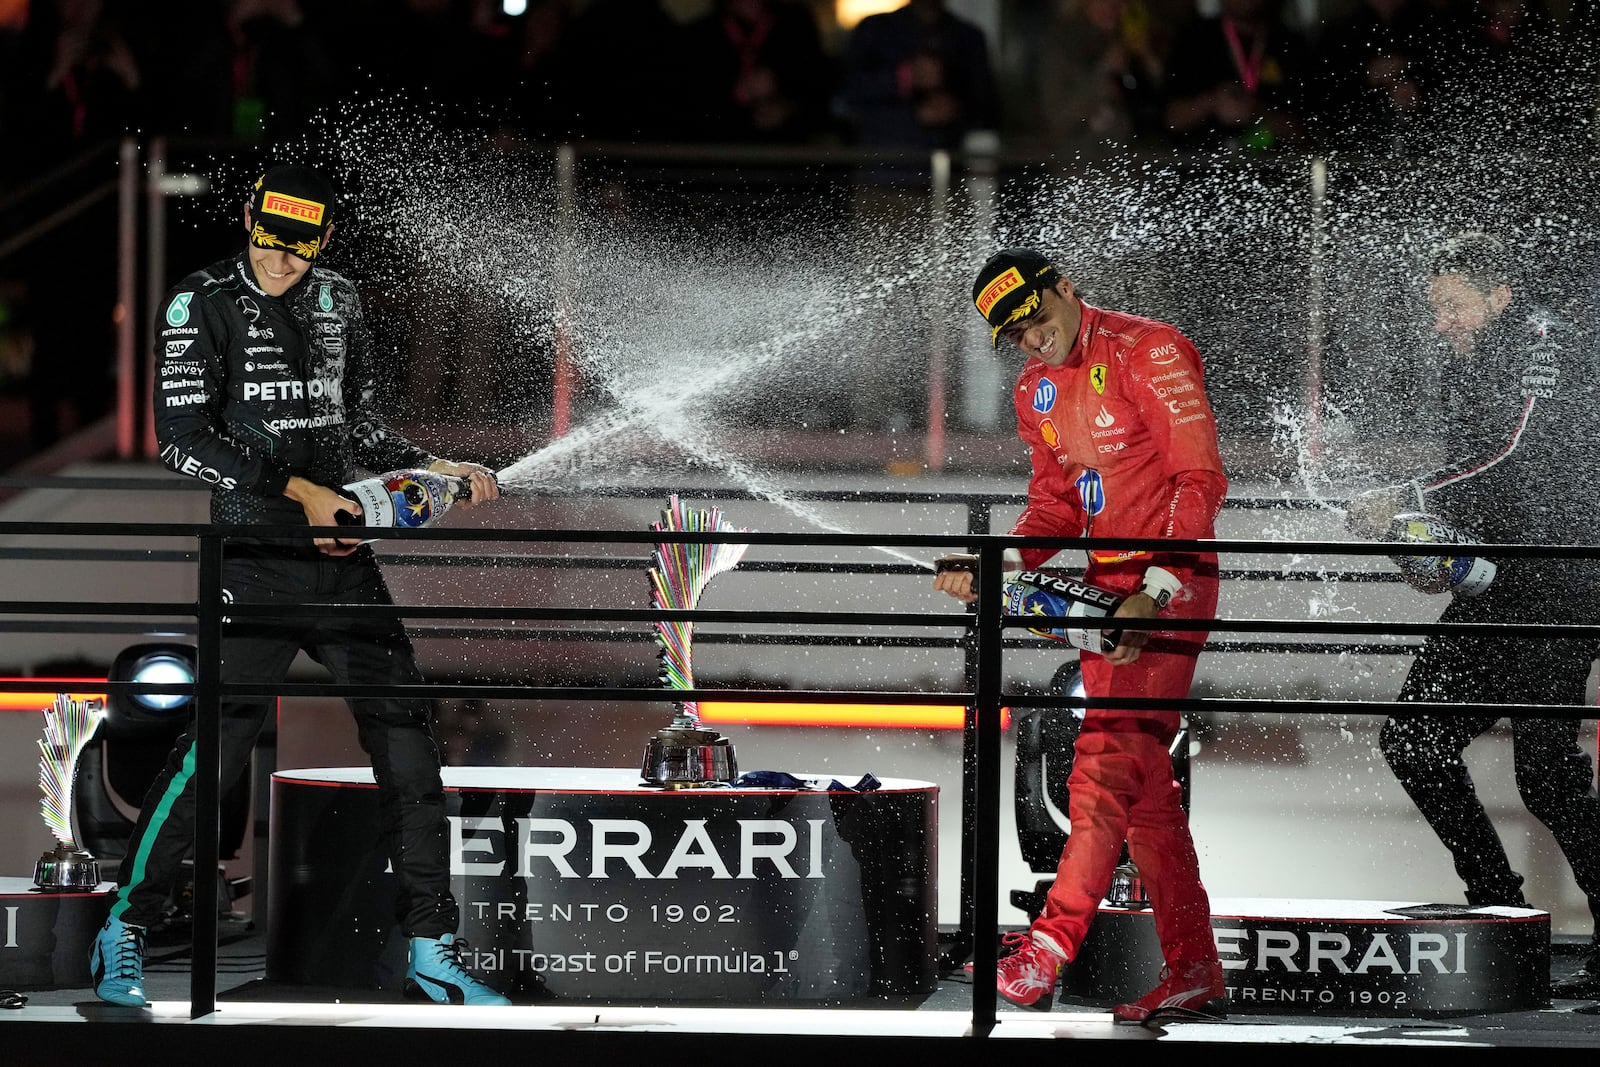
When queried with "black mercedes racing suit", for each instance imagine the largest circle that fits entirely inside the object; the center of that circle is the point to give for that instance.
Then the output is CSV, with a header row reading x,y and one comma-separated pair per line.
x,y
251,389
1524,439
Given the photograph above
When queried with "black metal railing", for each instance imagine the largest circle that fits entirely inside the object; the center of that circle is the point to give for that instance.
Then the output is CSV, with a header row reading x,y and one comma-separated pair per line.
x,y
983,631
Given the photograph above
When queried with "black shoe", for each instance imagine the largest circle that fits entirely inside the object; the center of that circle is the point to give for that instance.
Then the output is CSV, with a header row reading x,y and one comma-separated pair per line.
x,y
1497,899
1584,983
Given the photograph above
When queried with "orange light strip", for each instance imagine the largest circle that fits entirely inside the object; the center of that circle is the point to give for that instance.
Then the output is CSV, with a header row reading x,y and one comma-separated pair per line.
x,y
44,698
800,713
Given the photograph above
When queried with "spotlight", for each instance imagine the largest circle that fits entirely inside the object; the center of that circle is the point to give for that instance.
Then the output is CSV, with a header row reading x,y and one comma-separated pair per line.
x,y
1044,755
152,664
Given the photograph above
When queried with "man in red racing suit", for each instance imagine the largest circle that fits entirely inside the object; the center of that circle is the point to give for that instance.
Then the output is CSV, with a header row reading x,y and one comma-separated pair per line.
x,y
1114,410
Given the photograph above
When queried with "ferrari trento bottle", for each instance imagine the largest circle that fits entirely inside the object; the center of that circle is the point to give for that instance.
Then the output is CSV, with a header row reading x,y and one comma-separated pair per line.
x,y
410,499
1457,572
1040,593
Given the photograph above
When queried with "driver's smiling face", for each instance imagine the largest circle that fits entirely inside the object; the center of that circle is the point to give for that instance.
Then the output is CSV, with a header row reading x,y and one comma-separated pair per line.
x,y
1048,334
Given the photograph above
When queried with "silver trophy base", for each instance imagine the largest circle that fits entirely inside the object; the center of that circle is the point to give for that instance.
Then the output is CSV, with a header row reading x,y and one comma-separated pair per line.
x,y
1127,888
688,757
66,868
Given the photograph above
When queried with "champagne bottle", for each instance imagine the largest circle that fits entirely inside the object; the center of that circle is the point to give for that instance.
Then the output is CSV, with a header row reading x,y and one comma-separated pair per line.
x,y
1459,572
411,499
1041,593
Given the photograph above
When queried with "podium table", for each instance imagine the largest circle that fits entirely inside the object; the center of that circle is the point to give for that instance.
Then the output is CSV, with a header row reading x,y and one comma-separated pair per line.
x,y
586,883
45,937
1338,957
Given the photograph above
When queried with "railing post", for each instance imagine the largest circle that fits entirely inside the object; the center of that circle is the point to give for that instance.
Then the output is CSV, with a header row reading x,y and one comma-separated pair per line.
x,y
207,775
155,286
977,523
933,446
1316,318
127,314
565,379
986,825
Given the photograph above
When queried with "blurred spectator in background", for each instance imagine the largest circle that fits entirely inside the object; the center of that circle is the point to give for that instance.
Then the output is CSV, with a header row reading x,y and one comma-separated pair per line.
x,y
79,84
754,70
13,20
1373,72
1099,75
538,95
455,55
1237,80
78,81
1499,81
617,73
281,69
918,77
186,58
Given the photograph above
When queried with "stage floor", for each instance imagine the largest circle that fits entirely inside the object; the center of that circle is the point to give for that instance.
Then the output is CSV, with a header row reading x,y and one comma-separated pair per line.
x,y
260,1022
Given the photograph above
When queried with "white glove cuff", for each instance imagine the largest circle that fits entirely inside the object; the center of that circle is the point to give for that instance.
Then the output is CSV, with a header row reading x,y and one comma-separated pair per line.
x,y
1011,564
1160,585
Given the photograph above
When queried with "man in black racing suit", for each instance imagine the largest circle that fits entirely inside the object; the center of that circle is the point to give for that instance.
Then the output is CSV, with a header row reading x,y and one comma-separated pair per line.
x,y
265,390
1523,443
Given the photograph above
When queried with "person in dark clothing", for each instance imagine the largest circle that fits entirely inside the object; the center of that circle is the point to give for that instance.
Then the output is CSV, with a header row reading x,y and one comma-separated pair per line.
x,y
265,391
1373,74
79,85
754,70
918,77
1521,417
1237,80
630,95
1508,76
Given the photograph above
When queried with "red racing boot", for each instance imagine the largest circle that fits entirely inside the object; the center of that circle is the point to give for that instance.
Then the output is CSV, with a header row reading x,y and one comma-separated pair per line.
x,y
1029,974
1193,990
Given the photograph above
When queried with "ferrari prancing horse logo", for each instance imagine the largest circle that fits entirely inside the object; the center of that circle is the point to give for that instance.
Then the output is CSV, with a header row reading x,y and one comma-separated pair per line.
x,y
1097,378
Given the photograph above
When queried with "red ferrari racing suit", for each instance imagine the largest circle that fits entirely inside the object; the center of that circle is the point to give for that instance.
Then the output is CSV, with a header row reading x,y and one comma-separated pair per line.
x,y
1124,443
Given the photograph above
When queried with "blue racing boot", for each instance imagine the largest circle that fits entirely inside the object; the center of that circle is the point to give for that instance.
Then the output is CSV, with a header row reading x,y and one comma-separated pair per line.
x,y
116,964
436,973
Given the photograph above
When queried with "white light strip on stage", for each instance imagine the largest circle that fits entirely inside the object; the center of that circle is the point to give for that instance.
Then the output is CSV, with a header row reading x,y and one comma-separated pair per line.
x,y
1091,1026
691,1020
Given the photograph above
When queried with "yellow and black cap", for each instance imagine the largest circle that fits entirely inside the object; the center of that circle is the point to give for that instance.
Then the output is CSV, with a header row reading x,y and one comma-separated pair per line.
x,y
291,208
1009,286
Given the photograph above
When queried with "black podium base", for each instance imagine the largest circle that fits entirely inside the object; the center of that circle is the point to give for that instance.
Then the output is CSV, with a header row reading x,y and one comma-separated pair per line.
x,y
1338,957
584,883
45,937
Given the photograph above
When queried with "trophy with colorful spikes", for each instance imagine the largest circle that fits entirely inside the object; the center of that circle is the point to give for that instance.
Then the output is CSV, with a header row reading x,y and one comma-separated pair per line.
x,y
68,726
685,754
